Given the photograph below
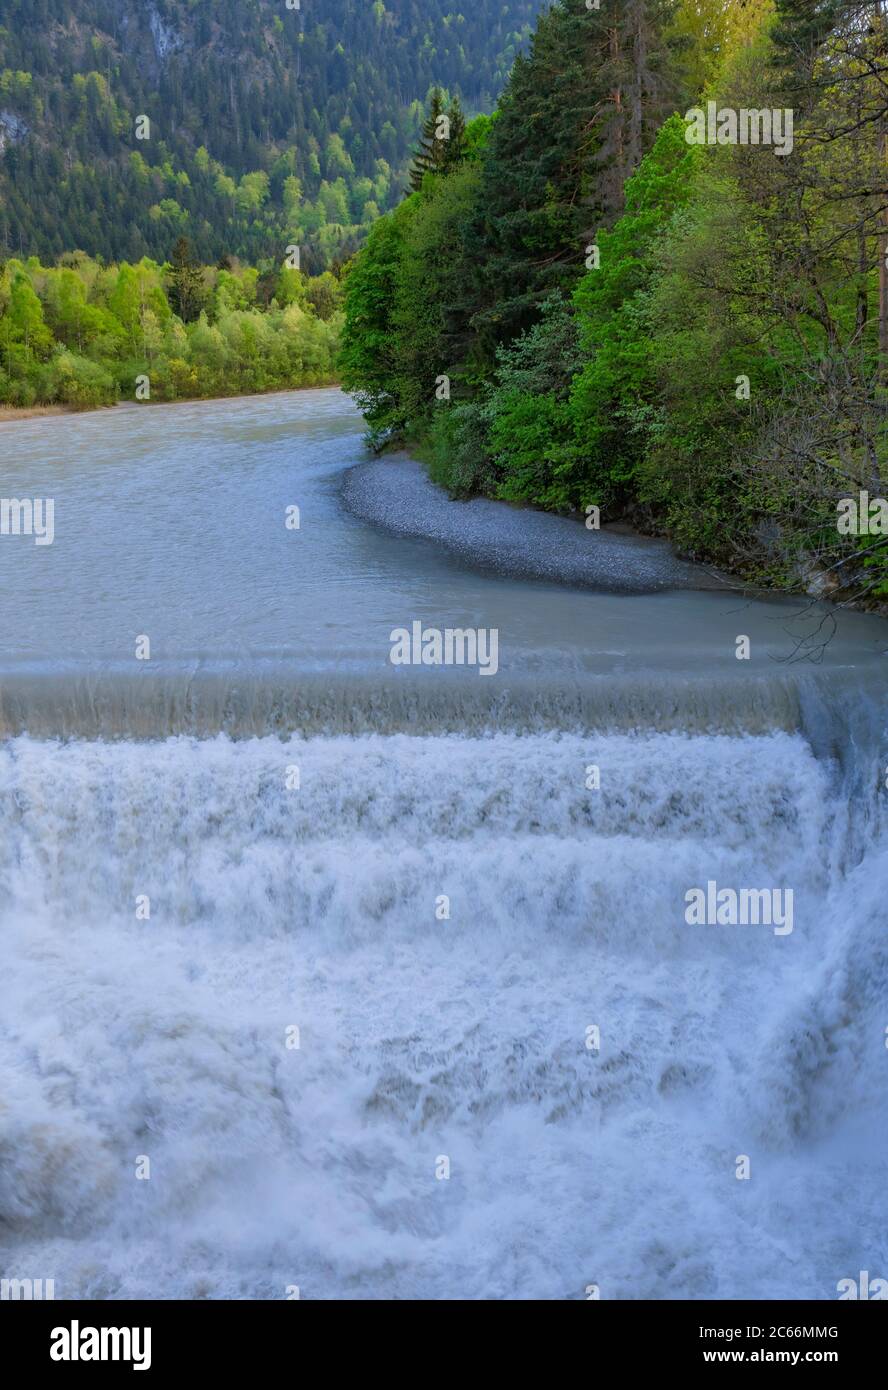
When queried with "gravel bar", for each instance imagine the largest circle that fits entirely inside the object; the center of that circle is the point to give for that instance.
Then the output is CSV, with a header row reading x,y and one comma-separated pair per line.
x,y
396,493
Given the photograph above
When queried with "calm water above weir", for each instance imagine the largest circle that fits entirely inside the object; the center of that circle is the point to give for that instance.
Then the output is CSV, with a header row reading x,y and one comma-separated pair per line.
x,y
314,902
169,521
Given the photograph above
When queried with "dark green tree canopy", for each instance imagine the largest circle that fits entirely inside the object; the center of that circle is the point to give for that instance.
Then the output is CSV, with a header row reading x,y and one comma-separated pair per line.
x,y
265,122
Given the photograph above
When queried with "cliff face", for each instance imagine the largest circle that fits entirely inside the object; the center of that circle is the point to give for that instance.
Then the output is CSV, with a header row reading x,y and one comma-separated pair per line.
x,y
317,106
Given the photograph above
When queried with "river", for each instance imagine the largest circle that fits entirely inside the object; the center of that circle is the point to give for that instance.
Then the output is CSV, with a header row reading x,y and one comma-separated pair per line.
x,y
376,981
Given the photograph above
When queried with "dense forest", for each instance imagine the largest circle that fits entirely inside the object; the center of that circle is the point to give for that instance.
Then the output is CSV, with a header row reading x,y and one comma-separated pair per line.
x,y
589,308
84,334
245,125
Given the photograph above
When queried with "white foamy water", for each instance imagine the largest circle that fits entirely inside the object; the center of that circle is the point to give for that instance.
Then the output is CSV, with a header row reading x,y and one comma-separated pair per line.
x,y
274,906
419,1038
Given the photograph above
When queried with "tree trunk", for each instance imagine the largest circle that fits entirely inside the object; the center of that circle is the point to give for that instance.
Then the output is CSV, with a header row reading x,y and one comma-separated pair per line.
x,y
883,216
883,269
619,118
639,56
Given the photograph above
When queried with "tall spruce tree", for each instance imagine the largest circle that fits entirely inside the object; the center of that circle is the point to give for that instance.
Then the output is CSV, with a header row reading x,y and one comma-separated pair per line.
x,y
455,144
578,113
185,281
431,155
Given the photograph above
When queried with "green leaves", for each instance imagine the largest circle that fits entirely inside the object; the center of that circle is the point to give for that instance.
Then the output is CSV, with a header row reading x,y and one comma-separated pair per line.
x,y
330,94
82,333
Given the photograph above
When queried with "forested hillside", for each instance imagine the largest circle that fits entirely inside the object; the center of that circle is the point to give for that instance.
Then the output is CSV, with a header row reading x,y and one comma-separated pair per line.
x,y
269,121
591,309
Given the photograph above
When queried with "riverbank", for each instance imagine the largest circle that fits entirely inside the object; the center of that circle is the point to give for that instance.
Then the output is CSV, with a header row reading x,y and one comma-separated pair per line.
x,y
12,414
397,494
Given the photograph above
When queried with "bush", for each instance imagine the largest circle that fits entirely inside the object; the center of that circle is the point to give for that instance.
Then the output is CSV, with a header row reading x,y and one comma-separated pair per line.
x,y
456,451
76,381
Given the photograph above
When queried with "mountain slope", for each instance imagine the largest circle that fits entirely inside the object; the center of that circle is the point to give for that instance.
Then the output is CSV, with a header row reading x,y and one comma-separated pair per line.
x,y
266,124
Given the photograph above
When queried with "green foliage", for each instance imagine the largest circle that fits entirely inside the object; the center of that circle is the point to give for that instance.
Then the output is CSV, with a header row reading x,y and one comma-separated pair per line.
x,y
442,144
429,338
80,334
558,152
456,450
367,357
238,149
400,334
533,443
616,380
185,282
688,336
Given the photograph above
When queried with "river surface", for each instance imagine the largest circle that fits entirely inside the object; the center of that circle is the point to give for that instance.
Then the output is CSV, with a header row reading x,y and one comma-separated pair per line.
x,y
376,980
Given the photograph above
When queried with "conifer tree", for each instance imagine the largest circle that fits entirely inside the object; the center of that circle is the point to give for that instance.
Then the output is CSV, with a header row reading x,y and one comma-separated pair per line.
x,y
431,155
577,114
185,281
455,145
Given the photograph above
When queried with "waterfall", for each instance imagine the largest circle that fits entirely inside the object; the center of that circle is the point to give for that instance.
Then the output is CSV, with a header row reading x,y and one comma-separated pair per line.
x,y
297,882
